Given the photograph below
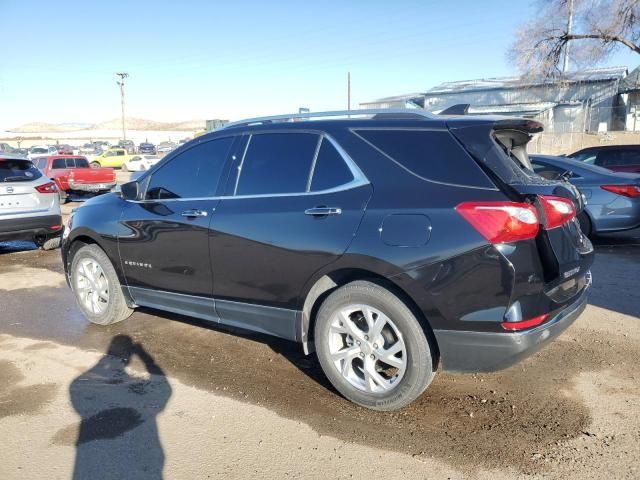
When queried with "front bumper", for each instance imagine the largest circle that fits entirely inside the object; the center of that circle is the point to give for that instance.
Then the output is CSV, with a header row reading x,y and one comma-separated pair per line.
x,y
28,227
465,351
91,187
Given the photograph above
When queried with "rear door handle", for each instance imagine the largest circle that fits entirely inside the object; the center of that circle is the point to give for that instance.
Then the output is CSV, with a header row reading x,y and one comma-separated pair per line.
x,y
323,211
194,213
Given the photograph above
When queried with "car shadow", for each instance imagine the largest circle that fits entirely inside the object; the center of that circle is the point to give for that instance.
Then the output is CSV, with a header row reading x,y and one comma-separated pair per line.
x,y
16,246
291,351
615,272
118,434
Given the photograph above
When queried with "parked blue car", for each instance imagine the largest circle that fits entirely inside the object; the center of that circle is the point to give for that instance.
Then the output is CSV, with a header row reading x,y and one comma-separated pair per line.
x,y
146,147
612,198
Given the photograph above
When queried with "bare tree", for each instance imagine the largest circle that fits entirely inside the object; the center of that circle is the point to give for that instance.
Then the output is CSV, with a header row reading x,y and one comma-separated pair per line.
x,y
599,28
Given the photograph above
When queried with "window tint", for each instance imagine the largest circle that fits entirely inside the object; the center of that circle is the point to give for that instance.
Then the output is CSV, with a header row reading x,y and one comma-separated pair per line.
x,y
59,163
192,174
18,170
330,170
610,158
277,163
81,163
430,154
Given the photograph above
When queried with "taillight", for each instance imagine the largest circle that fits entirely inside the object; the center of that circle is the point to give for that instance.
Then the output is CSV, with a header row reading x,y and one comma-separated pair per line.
x,y
557,211
47,188
630,191
501,222
521,325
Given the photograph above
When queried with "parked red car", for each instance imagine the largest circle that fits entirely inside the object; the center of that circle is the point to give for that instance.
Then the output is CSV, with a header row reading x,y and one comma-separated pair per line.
x,y
64,149
619,158
72,174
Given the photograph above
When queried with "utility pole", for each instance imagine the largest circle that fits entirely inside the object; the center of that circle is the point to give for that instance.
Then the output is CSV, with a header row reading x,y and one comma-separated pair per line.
x,y
348,90
565,66
122,76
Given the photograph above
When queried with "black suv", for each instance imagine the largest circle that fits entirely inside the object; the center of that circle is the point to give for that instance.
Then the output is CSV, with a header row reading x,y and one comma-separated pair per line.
x,y
392,243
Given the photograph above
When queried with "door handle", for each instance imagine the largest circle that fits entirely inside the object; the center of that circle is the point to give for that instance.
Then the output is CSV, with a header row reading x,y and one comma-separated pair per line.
x,y
194,213
323,211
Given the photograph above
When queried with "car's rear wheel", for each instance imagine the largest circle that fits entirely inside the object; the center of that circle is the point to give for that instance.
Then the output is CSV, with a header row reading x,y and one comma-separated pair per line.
x,y
124,167
96,286
371,347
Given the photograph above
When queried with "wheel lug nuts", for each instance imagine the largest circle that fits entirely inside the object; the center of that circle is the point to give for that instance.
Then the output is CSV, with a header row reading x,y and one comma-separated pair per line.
x,y
362,355
357,342
373,356
366,337
375,345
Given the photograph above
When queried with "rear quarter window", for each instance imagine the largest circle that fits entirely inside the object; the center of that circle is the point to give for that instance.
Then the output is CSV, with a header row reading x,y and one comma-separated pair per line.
x,y
433,155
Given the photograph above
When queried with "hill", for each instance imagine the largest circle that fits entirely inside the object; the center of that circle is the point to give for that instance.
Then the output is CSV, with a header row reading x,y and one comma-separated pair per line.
x,y
115,124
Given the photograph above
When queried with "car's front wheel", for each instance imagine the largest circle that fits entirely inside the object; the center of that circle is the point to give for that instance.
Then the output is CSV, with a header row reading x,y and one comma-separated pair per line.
x,y
372,347
96,286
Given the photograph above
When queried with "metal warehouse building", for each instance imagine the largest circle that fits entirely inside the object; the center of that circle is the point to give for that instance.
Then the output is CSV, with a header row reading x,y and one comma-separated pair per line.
x,y
595,100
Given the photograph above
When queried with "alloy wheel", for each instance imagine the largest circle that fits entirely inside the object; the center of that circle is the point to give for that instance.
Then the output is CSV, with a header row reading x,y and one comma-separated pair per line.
x,y
92,286
367,348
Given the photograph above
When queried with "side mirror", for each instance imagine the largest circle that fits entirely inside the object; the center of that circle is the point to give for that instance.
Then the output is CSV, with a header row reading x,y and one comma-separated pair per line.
x,y
130,191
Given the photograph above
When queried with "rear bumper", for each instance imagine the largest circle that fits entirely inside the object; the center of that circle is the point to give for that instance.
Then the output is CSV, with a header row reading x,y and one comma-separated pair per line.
x,y
28,227
464,351
91,187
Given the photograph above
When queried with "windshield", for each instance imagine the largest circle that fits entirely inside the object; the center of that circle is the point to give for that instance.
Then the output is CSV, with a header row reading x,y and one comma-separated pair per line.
x,y
17,171
39,150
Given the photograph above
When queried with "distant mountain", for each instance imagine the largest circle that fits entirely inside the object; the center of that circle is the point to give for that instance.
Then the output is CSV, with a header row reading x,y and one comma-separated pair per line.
x,y
115,124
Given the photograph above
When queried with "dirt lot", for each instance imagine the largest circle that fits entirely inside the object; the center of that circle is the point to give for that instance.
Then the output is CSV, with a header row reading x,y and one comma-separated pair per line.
x,y
195,401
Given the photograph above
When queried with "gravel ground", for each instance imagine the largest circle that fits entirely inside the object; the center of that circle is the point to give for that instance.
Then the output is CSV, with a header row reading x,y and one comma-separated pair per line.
x,y
162,393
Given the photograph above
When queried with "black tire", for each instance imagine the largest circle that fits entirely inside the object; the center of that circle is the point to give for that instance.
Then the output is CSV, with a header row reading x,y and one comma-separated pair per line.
x,y
419,363
94,164
585,224
63,197
116,309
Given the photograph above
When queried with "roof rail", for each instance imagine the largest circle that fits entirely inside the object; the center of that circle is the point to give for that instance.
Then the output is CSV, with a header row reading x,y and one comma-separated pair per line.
x,y
376,112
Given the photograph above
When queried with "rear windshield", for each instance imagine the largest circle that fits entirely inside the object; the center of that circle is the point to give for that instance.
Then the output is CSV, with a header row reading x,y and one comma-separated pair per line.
x,y
70,163
432,155
618,158
18,171
39,150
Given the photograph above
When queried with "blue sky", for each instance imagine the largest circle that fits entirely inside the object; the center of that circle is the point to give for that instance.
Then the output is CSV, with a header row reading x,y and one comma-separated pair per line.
x,y
214,59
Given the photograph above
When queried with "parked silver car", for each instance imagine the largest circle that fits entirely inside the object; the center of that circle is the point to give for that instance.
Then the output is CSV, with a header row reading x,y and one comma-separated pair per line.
x,y
29,204
612,198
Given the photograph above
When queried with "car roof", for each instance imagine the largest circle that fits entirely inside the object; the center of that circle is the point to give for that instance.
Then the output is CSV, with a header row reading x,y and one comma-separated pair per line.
x,y
8,156
578,166
607,147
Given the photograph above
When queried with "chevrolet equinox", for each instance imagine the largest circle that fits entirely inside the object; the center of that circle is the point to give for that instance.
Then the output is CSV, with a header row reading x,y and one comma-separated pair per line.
x,y
392,243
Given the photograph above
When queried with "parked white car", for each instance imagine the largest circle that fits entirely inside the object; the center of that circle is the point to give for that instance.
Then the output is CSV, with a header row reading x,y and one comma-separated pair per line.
x,y
139,163
29,204
40,150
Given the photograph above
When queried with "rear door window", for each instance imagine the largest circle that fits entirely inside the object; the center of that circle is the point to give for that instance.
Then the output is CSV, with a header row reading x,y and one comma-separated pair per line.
x,y
277,163
330,169
18,171
432,155
59,163
194,173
